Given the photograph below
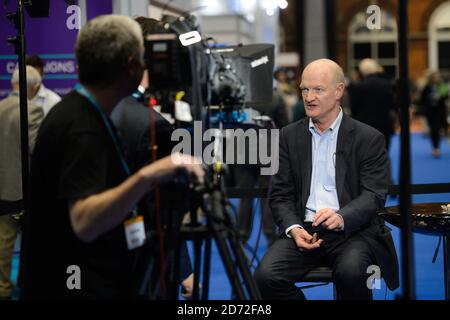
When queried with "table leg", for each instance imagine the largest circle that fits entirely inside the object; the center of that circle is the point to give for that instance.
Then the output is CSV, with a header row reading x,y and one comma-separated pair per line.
x,y
447,266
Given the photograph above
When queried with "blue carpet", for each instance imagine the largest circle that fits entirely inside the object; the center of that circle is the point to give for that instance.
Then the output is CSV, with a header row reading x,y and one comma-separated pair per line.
x,y
429,277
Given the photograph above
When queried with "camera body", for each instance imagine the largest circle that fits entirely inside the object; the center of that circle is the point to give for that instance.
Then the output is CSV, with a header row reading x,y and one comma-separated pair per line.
x,y
231,77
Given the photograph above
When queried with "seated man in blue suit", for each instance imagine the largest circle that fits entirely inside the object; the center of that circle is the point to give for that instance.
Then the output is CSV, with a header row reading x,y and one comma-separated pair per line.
x,y
331,184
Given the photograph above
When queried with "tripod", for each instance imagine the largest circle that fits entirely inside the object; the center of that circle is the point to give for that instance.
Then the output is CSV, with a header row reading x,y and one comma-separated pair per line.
x,y
211,200
221,228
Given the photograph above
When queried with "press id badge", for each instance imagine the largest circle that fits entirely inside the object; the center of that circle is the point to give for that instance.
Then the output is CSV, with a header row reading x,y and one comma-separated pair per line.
x,y
135,232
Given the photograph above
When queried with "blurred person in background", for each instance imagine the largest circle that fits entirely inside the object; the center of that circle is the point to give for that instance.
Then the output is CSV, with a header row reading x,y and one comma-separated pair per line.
x,y
372,101
45,98
433,99
10,165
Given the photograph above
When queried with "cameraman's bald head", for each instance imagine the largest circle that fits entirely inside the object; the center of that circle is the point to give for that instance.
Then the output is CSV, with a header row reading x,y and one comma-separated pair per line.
x,y
105,48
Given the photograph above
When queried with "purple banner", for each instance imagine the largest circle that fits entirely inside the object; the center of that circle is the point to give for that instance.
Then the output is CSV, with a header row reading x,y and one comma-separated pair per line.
x,y
52,38
98,7
60,72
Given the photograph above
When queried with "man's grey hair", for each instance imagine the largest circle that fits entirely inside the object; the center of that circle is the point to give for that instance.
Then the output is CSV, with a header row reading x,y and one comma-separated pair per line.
x,y
105,45
34,79
339,75
368,66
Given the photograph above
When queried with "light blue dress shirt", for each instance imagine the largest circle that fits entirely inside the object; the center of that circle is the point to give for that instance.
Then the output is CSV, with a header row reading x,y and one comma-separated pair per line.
x,y
323,193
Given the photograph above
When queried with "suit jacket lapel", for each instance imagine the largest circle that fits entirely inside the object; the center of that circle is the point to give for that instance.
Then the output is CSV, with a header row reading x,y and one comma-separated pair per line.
x,y
343,149
304,145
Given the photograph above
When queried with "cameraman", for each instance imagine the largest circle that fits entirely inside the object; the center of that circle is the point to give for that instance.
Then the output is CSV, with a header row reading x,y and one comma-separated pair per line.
x,y
80,234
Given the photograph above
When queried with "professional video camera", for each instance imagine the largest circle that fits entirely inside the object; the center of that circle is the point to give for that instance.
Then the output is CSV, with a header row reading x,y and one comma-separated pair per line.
x,y
225,86
231,78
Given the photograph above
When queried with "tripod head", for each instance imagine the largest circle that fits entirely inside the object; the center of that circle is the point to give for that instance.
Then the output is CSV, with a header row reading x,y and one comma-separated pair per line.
x,y
214,185
214,175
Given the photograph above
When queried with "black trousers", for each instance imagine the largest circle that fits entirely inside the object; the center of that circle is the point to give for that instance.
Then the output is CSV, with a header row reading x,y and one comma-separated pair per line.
x,y
284,264
437,120
249,177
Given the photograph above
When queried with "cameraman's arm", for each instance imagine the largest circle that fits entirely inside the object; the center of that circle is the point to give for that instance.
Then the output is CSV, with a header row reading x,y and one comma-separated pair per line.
x,y
93,216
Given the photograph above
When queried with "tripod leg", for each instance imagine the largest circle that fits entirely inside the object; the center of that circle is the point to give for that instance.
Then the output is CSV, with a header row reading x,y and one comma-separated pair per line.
x,y
241,260
207,269
219,219
228,263
172,250
144,286
175,276
197,262
216,219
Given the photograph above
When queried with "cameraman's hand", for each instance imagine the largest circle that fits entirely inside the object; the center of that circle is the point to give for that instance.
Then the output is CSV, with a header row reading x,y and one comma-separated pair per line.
x,y
165,169
93,216
188,287
304,241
